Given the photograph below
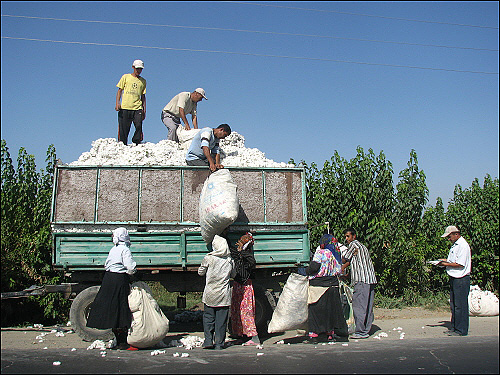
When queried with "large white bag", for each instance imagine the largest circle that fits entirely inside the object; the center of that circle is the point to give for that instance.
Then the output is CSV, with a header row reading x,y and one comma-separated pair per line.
x,y
219,204
291,312
482,303
185,136
149,324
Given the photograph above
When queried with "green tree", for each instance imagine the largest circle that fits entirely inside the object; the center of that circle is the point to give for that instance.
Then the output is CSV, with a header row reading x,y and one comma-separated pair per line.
x,y
25,223
403,270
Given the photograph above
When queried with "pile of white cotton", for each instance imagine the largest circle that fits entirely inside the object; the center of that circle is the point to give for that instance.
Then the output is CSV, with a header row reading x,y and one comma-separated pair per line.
x,y
108,151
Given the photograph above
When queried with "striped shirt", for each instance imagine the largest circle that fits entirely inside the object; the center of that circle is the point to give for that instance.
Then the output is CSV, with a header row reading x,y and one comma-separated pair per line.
x,y
361,263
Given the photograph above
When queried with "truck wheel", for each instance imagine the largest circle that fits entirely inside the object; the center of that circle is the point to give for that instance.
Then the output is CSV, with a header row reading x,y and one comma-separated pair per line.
x,y
264,307
79,312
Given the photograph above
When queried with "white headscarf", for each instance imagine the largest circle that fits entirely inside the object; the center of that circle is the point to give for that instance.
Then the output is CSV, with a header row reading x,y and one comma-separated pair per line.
x,y
220,248
120,235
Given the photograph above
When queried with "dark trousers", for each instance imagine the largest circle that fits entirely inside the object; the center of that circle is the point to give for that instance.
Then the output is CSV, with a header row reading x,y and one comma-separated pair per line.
x,y
125,118
215,324
362,307
459,304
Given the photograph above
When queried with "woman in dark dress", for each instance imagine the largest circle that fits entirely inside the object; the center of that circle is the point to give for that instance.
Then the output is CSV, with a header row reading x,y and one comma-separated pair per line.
x,y
324,304
110,308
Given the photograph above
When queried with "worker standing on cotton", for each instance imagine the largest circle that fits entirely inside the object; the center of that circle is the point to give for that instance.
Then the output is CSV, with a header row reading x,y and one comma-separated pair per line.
x,y
132,93
178,107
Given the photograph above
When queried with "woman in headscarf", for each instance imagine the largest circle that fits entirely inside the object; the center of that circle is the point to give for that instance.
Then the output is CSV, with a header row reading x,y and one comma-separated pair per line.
x,y
110,308
218,266
324,304
243,298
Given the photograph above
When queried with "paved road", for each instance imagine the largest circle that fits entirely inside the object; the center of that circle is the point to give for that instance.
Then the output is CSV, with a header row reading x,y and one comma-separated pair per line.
x,y
442,355
416,345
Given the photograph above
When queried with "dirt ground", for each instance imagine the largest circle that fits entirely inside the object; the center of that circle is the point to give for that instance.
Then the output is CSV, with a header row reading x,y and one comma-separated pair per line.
x,y
389,324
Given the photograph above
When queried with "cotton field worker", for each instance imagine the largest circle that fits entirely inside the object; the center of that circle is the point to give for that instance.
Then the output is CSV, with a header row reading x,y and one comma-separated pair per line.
x,y
204,148
110,308
177,109
132,93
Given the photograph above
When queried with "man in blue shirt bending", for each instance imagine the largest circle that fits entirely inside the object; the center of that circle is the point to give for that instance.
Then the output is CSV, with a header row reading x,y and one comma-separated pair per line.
x,y
204,148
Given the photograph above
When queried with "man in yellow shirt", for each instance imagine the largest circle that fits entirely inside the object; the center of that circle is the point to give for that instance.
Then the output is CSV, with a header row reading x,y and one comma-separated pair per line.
x,y
132,92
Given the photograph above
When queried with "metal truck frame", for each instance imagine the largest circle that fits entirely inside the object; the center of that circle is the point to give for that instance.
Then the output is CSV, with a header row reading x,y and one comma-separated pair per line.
x,y
159,206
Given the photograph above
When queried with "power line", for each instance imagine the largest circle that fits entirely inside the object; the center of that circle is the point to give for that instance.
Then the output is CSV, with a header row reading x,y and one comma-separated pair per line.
x,y
364,15
252,31
249,54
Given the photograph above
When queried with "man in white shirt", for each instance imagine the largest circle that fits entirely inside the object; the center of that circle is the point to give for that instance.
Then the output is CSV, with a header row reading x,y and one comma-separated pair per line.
x,y
178,107
458,267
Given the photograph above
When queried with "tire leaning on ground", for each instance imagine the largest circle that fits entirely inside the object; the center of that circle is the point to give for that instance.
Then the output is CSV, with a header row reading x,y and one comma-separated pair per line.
x,y
79,312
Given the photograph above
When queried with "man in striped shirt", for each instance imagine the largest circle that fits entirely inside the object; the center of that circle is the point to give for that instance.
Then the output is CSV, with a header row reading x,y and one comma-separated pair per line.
x,y
363,280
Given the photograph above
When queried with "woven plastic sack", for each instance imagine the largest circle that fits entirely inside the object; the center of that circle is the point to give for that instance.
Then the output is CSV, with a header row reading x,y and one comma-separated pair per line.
x,y
219,204
346,298
149,324
291,310
185,136
482,303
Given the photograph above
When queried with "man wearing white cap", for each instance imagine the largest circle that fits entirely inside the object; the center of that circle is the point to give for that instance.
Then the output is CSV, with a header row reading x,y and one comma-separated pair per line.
x,y
132,93
458,267
178,107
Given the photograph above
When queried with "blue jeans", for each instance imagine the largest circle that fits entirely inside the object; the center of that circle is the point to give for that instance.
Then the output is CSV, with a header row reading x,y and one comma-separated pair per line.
x,y
459,304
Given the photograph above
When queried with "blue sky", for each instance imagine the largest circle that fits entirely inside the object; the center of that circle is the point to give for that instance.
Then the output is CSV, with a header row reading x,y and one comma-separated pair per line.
x,y
297,79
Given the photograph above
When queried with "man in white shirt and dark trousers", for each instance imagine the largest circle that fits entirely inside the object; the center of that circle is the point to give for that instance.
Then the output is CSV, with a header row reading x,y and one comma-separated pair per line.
x,y
458,267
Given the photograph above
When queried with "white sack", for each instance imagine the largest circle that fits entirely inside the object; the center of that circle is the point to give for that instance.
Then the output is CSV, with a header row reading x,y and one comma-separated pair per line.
x,y
185,136
219,204
482,303
149,324
291,310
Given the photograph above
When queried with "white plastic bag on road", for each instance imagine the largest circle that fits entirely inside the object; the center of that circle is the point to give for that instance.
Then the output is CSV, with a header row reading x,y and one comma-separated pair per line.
x,y
291,312
219,204
482,303
149,324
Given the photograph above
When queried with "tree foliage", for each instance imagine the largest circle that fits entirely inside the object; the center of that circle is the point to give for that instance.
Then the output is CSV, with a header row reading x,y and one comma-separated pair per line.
x,y
392,220
26,197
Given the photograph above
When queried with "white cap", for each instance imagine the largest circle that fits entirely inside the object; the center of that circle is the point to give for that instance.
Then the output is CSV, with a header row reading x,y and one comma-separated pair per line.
x,y
138,64
199,90
449,230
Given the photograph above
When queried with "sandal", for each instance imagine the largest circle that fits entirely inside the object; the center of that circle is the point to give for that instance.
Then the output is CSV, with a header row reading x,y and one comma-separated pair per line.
x,y
250,343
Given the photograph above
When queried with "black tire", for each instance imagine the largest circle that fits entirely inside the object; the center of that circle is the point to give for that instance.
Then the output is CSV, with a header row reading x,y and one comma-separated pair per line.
x,y
79,312
264,308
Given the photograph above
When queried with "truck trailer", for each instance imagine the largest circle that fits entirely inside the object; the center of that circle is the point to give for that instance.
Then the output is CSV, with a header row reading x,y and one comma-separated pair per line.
x,y
159,206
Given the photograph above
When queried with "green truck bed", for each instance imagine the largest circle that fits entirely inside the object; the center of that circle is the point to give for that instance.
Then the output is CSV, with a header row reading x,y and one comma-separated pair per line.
x,y
159,207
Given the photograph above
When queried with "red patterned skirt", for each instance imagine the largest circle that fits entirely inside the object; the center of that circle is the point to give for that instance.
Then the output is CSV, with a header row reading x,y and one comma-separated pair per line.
x,y
243,310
